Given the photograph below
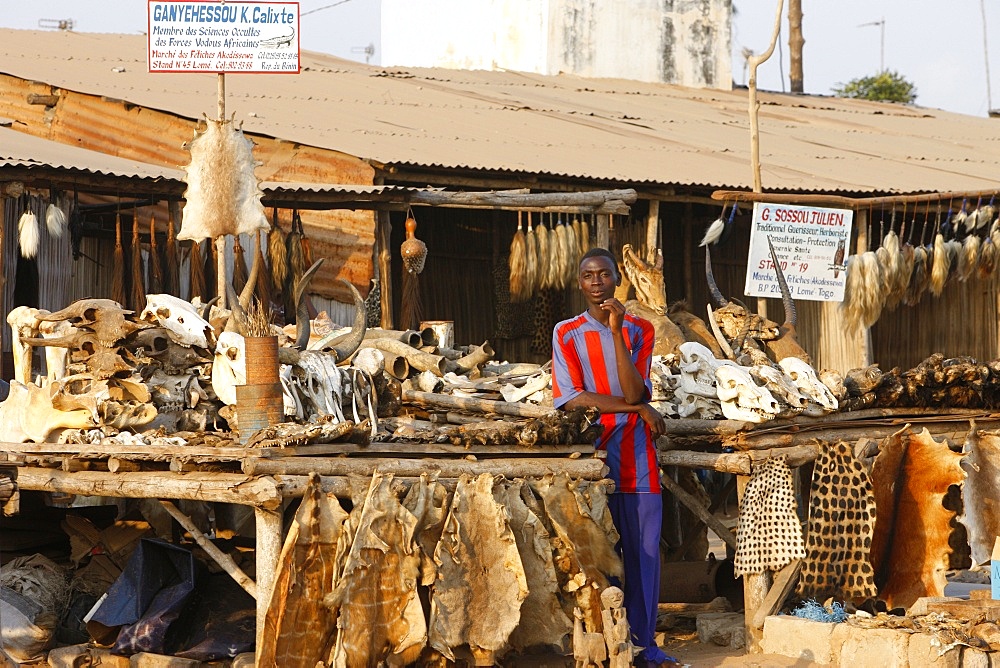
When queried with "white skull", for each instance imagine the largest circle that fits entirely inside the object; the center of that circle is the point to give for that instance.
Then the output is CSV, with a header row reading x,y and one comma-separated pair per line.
x,y
742,399
229,368
821,400
697,367
663,380
175,392
179,318
697,406
792,401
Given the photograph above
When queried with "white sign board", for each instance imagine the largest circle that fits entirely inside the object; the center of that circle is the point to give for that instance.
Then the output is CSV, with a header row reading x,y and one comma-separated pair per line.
x,y
810,243
212,36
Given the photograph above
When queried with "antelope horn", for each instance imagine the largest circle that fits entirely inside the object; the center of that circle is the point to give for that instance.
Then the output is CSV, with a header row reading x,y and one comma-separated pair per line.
x,y
206,309
302,328
713,287
353,341
238,316
726,348
786,295
247,294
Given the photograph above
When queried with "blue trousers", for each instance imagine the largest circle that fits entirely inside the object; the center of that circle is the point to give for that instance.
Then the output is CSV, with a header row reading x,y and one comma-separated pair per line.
x,y
638,519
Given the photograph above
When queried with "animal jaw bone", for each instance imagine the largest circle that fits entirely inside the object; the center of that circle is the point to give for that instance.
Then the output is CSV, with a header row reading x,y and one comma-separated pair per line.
x,y
821,400
24,322
741,398
180,318
28,415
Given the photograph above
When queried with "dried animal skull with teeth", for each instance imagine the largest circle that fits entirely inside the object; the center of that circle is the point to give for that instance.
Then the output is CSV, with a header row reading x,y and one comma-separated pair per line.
x,y
697,367
179,318
821,400
104,317
783,389
697,406
742,398
229,367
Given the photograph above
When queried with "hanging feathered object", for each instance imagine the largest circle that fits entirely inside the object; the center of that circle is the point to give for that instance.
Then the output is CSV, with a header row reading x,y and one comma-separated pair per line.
x,y
28,233
171,270
573,257
55,219
968,258
137,301
544,253
987,258
919,277
118,271
196,271
940,264
240,271
155,267
720,228
223,194
277,253
414,254
892,269
515,264
558,276
530,261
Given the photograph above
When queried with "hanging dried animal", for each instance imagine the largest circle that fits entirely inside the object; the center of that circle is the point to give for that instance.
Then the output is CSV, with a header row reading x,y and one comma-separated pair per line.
x,y
29,235
768,533
530,260
137,295
222,195
55,219
516,265
980,512
720,229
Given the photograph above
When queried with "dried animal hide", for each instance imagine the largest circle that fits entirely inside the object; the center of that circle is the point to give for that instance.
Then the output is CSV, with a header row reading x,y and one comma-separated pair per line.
x,y
841,521
380,613
298,628
768,534
222,195
543,621
981,515
583,543
909,553
667,335
481,583
428,500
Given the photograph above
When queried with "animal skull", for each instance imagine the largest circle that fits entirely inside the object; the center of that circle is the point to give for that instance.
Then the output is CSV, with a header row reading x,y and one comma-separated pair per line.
x,y
24,322
104,317
821,400
742,399
697,406
791,400
229,368
175,392
179,318
56,358
697,367
28,415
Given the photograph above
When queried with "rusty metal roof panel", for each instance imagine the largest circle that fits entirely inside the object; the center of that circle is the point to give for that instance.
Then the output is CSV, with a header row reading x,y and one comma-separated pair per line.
x,y
600,129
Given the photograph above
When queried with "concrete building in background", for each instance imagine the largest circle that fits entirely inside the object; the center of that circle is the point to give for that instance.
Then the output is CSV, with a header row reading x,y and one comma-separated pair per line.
x,y
683,42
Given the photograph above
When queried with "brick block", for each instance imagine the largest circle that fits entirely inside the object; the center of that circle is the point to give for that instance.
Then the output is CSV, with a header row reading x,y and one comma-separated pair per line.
x,y
925,650
974,658
73,655
885,648
146,660
798,638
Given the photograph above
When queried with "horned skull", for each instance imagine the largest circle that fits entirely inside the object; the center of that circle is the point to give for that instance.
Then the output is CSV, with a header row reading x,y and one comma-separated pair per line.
x,y
179,318
229,368
789,397
821,400
742,399
104,317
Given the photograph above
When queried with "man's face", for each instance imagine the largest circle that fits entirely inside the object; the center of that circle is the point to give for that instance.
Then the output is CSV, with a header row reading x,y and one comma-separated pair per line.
x,y
598,279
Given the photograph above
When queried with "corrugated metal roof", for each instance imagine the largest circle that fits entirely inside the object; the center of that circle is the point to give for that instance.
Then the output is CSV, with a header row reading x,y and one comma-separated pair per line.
x,y
605,129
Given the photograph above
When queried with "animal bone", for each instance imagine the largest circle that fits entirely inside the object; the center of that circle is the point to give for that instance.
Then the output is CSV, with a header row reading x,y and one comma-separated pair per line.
x,y
742,399
24,322
821,400
56,358
174,392
697,406
104,317
179,318
697,367
160,347
783,389
229,367
28,415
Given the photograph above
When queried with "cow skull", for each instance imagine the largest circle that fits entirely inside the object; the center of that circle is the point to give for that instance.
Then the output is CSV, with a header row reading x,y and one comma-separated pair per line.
x,y
791,400
229,368
742,399
104,317
179,318
821,400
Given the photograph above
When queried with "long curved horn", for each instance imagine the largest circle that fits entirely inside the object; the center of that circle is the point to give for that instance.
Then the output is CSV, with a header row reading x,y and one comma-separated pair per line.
x,y
713,287
302,328
726,348
237,316
206,309
353,341
247,293
786,295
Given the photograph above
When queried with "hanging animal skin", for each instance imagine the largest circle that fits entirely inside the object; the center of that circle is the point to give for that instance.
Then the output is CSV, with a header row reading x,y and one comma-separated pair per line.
x,y
222,193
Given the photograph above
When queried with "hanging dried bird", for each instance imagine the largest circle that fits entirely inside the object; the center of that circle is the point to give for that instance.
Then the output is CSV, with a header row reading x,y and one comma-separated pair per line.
x,y
137,300
240,271
171,273
515,264
118,271
562,256
720,229
55,219
414,254
196,269
28,234
530,261
277,253
544,253
155,268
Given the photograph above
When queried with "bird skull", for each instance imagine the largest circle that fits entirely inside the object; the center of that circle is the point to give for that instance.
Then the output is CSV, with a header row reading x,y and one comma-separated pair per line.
x,y
741,398
229,368
821,400
179,318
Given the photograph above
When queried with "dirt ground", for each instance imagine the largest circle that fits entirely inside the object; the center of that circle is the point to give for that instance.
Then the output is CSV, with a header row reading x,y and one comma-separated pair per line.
x,y
686,648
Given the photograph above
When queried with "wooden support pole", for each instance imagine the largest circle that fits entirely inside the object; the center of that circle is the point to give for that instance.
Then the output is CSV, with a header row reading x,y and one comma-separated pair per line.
x,y
603,235
488,406
652,230
784,580
217,487
755,588
520,467
694,505
269,541
221,558
220,270
383,230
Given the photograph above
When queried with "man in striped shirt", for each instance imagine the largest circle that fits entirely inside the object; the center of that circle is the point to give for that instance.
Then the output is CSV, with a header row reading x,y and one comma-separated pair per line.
x,y
601,359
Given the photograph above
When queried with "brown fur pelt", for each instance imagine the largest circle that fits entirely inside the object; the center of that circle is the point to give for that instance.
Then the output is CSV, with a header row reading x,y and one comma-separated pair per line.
x,y
118,271
919,278
137,294
544,255
909,552
155,267
277,253
516,277
981,514
171,269
693,328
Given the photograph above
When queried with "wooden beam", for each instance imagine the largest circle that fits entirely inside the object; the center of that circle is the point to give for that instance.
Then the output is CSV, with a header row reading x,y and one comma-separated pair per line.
x,y
487,406
269,539
739,463
521,200
694,505
652,230
784,580
512,467
858,203
603,234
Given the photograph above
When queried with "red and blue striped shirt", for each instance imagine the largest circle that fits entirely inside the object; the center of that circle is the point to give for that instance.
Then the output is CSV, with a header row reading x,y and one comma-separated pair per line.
x,y
583,360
